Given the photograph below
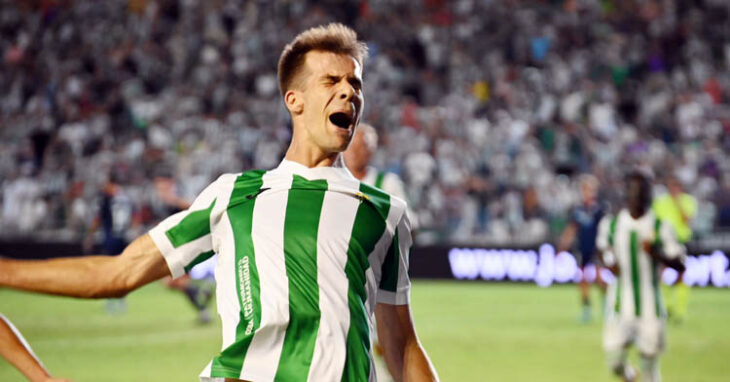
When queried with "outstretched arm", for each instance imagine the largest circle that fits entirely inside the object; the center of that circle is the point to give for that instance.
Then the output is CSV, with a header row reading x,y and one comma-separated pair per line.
x,y
89,276
404,355
16,350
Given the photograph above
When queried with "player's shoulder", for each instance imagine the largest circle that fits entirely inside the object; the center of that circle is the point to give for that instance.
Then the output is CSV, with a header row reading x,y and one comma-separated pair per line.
x,y
610,218
231,178
382,198
225,182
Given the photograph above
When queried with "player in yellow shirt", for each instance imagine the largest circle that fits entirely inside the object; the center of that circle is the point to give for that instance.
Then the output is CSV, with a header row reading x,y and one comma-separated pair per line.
x,y
677,208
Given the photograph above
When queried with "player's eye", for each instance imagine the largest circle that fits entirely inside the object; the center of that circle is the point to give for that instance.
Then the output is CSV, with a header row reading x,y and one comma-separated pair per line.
x,y
356,84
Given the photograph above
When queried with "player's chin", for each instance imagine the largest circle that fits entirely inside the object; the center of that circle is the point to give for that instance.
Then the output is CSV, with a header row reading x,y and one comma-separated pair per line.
x,y
341,136
340,143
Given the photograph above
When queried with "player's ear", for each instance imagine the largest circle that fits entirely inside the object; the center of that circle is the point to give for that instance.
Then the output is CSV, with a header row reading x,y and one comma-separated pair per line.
x,y
294,102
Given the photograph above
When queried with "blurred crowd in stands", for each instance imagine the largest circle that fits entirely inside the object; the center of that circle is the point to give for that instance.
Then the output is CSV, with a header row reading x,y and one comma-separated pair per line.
x,y
489,110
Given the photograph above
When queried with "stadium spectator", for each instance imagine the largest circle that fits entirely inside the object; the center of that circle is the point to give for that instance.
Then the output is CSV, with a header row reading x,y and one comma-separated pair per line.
x,y
492,97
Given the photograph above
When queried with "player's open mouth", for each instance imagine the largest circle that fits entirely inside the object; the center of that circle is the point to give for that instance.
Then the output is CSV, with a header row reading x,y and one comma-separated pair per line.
x,y
341,119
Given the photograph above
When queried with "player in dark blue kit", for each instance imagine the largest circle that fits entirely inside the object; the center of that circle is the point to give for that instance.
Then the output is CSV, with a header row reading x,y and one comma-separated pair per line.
x,y
583,226
116,218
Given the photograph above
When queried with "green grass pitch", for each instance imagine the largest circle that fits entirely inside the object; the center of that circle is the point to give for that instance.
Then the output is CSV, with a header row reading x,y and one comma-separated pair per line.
x,y
472,331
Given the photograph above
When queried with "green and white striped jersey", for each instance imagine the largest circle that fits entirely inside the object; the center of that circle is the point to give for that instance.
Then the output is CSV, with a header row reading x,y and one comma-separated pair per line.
x,y
636,292
303,256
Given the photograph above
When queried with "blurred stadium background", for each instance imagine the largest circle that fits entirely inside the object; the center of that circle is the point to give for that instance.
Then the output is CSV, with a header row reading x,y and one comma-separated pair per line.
x,y
489,110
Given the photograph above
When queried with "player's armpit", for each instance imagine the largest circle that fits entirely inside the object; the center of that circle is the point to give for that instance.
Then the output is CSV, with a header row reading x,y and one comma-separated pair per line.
x,y
89,276
403,353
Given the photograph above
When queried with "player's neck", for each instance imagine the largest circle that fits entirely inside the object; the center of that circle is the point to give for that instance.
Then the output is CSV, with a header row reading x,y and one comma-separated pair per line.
x,y
359,173
637,213
313,156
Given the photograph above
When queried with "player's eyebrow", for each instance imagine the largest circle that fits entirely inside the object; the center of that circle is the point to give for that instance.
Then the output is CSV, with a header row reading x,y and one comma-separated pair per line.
x,y
354,81
331,77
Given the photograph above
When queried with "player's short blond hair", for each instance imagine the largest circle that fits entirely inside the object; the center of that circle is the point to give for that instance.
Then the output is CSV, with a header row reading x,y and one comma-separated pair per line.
x,y
334,37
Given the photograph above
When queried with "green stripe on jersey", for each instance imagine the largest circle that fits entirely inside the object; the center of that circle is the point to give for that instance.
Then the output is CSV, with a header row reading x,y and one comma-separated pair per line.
x,y
655,269
379,179
655,285
199,259
367,229
657,236
193,226
612,231
635,273
389,279
611,234
240,213
301,224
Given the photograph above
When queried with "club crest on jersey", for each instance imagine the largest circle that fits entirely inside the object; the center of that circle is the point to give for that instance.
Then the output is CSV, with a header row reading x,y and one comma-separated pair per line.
x,y
363,197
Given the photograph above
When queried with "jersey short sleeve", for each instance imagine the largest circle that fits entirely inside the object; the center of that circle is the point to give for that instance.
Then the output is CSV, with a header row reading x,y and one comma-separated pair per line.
x,y
395,285
184,238
604,240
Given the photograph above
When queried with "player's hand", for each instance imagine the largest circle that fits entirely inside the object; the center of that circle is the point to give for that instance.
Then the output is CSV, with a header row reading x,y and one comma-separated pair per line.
x,y
648,247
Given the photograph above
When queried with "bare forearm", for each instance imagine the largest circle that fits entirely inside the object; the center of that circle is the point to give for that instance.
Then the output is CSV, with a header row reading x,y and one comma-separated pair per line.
x,y
658,255
675,264
13,349
404,355
85,277
416,364
88,276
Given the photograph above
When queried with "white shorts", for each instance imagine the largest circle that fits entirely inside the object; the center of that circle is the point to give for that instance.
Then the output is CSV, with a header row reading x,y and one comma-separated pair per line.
x,y
647,334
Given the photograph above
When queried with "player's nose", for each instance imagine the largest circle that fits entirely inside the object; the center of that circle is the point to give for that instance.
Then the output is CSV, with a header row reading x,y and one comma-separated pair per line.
x,y
346,91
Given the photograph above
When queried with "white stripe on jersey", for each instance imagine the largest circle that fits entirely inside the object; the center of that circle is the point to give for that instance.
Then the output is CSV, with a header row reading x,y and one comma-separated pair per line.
x,y
337,216
262,357
227,299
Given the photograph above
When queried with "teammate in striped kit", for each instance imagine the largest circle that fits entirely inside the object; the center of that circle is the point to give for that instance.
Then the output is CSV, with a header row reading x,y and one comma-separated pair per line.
x,y
305,251
633,244
357,156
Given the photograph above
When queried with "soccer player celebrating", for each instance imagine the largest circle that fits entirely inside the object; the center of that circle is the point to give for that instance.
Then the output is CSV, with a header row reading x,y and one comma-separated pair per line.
x,y
305,251
584,226
16,350
634,243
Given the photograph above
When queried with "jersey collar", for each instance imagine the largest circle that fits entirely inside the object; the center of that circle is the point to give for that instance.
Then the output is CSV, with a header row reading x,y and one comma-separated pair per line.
x,y
649,215
337,171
